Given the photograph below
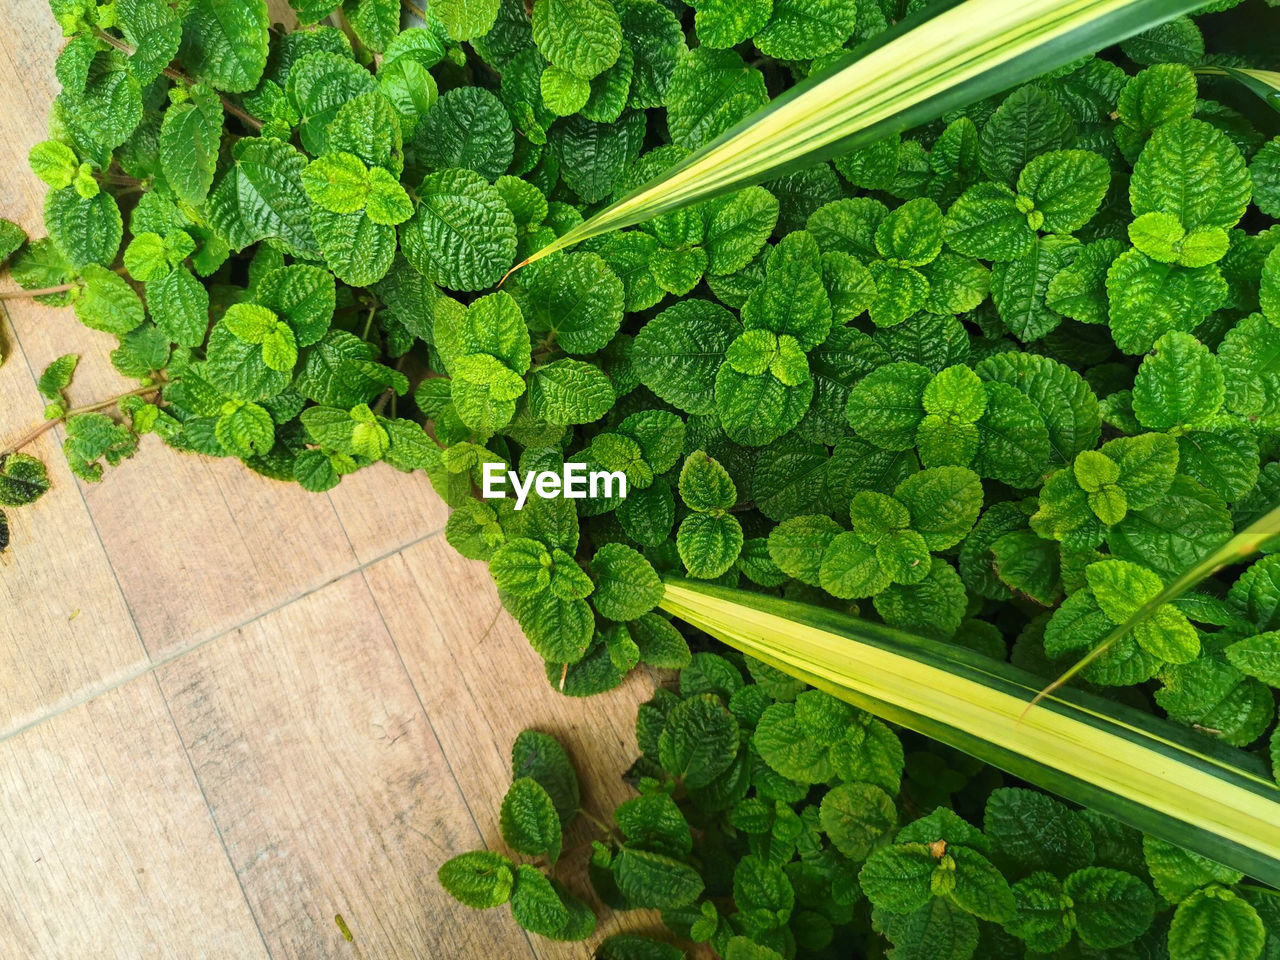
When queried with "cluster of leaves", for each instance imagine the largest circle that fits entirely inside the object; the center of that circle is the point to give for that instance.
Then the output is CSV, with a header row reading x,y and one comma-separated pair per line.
x,y
995,380
773,821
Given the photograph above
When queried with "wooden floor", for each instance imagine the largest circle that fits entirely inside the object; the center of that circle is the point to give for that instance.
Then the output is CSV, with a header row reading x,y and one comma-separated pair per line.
x,y
231,710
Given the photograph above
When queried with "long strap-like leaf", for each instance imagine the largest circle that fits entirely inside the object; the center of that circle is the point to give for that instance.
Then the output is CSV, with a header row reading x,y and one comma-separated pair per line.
x,y
1146,772
909,75
1265,83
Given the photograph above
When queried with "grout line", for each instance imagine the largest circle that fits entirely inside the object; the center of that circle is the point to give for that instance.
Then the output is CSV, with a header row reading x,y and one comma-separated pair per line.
x,y
153,665
213,820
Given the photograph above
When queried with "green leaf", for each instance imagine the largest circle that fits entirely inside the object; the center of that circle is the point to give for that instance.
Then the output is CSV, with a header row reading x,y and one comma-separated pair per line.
x,y
626,946
85,231
939,930
462,235
303,296
803,29
705,485
1247,357
1258,656
1150,299
627,586
530,823
901,292
710,91
479,879
1079,290
1111,907
375,23
245,429
709,544
1191,170
1019,287
337,182
979,886
1211,693
933,606
559,629
521,567
581,37
224,42
1029,122
467,127
23,480
466,19
190,136
1178,385
723,24
1215,924
536,905
897,878
92,437
542,758
1156,96
107,302
356,248
1264,171
699,740
320,84
576,299
1066,187
944,503
1177,872
569,391
56,163
987,222
261,195
855,816
57,376
654,880
1031,831
661,644
886,406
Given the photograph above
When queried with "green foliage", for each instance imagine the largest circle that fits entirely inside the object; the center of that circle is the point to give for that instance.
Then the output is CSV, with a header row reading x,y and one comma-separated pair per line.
x,y
996,379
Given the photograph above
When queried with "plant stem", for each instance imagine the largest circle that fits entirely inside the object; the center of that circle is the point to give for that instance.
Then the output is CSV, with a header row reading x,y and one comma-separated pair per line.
x,y
42,291
50,424
416,10
180,77
596,822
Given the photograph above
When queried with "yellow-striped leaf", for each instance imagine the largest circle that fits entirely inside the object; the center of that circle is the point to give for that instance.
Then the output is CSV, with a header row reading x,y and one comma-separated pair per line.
x,y
1146,772
908,75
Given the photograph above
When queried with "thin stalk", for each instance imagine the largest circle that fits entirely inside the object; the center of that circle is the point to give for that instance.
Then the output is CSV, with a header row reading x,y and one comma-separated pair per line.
x,y
413,8
50,424
42,291
177,75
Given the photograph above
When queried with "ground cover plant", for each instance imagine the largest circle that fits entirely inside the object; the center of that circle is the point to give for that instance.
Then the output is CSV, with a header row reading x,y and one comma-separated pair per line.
x,y
772,820
995,381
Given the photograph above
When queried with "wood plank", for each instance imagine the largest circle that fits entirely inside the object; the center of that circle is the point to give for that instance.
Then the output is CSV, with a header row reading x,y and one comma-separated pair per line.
x,y
328,785
109,851
65,628
382,510
481,684
202,546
